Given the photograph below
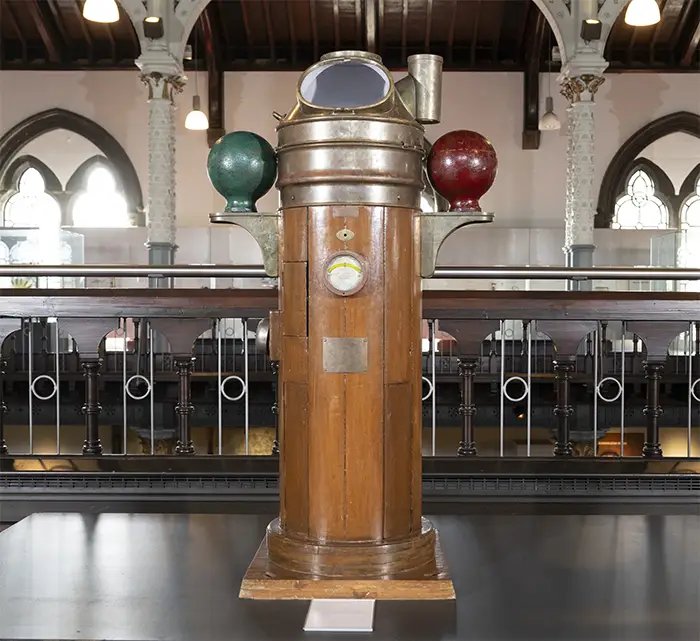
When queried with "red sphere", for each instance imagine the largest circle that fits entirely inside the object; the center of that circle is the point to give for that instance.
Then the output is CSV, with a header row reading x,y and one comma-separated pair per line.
x,y
462,166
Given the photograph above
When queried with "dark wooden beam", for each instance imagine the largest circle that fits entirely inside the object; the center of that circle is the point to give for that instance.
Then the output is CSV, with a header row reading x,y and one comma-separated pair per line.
x,y
404,28
60,25
669,14
48,31
292,31
451,32
475,33
12,19
523,30
371,25
496,43
227,50
382,25
336,23
531,89
682,25
314,27
691,45
86,32
428,25
270,30
112,41
248,33
212,38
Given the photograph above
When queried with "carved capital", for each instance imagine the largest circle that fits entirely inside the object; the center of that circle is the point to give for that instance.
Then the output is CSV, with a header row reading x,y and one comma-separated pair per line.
x,y
581,88
162,86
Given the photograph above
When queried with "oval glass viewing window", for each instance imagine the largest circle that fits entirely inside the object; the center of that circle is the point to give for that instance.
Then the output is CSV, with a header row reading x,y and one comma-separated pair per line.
x,y
345,83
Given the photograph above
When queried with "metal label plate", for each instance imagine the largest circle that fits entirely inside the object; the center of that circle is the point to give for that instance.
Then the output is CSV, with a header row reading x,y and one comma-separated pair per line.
x,y
345,355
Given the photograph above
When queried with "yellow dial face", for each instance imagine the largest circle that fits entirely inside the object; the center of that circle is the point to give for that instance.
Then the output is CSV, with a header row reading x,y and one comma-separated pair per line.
x,y
345,273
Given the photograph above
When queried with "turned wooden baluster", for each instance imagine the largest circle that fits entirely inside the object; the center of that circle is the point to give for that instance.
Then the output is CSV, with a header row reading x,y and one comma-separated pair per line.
x,y
653,410
469,336
566,336
467,409
92,408
181,333
184,407
563,410
7,326
3,408
656,335
88,334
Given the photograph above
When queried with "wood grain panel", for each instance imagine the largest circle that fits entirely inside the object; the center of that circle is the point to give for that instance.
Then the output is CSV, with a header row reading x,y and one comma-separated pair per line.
x,y
398,444
294,303
275,342
294,235
295,361
398,293
364,452
294,464
326,391
417,383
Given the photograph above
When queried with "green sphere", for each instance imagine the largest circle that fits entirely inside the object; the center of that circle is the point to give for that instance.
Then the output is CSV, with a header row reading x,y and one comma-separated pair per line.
x,y
242,167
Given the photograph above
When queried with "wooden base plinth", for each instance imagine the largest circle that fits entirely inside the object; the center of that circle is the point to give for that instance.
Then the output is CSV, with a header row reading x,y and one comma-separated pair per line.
x,y
265,580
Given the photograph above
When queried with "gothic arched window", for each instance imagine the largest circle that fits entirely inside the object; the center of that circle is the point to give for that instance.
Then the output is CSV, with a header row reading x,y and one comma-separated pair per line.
x,y
641,206
29,204
98,201
690,209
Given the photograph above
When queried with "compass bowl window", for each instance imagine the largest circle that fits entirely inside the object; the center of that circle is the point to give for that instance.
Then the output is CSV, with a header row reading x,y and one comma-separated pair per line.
x,y
345,83
345,273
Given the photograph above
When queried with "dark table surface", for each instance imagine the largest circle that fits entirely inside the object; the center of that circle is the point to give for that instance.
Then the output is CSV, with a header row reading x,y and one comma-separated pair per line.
x,y
540,577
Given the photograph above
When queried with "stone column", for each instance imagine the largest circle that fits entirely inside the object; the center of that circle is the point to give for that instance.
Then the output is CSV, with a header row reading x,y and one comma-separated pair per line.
x,y
162,87
580,172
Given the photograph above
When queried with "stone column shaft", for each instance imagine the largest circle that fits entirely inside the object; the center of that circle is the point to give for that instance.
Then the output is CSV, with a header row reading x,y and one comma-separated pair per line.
x,y
161,167
580,172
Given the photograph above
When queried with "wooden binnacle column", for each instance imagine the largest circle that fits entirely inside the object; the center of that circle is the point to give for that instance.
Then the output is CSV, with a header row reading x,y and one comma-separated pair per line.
x,y
351,395
350,157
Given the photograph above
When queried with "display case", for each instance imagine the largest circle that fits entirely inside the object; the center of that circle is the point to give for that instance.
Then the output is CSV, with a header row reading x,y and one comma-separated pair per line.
x,y
41,247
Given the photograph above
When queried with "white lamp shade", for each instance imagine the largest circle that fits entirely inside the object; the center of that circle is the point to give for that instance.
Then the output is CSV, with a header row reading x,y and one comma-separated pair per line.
x,y
642,13
101,11
549,121
196,120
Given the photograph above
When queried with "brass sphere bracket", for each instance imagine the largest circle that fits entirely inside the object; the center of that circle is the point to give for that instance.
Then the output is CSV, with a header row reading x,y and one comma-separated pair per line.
x,y
436,227
263,227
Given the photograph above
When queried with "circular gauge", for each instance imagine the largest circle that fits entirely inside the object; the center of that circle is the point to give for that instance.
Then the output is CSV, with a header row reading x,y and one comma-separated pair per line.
x,y
345,273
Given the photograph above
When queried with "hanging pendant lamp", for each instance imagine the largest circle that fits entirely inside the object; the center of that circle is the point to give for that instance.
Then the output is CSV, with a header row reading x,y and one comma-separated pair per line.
x,y
196,120
103,11
549,121
642,13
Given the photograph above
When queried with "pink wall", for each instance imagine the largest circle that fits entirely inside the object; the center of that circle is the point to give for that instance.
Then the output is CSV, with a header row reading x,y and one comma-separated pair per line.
x,y
529,190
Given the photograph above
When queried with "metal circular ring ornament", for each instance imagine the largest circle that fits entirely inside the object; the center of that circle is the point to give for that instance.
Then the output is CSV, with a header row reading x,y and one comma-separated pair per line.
x,y
605,399
223,385
353,276
44,377
262,336
138,377
525,385
430,393
692,389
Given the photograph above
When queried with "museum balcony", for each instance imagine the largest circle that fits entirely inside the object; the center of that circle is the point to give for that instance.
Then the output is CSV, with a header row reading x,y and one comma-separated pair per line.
x,y
538,393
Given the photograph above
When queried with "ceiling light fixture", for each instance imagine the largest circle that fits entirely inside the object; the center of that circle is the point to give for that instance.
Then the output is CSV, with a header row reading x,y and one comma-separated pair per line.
x,y
153,27
642,13
196,120
549,121
101,11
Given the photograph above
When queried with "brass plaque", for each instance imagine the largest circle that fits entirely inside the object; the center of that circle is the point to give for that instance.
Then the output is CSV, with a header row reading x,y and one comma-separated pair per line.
x,y
345,355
